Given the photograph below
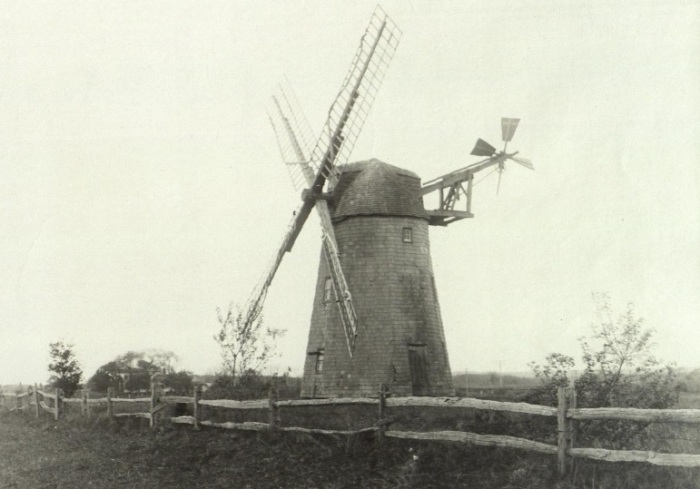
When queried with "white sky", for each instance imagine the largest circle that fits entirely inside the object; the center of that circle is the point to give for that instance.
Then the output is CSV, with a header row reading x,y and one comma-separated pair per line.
x,y
141,185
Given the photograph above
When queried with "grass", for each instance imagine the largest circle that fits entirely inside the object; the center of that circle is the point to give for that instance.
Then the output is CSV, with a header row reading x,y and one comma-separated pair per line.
x,y
42,454
80,452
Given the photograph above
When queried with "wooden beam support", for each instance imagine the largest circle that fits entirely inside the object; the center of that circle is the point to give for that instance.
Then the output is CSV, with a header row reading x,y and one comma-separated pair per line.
x,y
441,217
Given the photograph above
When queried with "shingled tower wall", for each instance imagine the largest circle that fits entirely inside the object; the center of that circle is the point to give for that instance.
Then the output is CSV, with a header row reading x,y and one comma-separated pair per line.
x,y
382,232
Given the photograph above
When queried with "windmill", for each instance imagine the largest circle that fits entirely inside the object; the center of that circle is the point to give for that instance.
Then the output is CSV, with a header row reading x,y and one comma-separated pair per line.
x,y
376,316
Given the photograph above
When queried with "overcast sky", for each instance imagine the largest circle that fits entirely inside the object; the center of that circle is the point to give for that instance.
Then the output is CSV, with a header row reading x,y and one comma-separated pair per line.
x,y
141,186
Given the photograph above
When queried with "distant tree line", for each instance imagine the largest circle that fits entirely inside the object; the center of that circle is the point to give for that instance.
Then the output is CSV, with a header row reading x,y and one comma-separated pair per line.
x,y
132,372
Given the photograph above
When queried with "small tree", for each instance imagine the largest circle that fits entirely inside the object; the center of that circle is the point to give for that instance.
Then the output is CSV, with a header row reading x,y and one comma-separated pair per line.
x,y
620,371
554,372
246,345
66,370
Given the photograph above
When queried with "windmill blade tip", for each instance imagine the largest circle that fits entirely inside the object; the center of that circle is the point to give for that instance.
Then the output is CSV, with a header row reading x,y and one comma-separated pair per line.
x,y
523,161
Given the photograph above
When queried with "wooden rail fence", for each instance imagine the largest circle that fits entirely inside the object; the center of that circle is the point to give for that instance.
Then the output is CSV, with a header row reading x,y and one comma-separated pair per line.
x,y
566,413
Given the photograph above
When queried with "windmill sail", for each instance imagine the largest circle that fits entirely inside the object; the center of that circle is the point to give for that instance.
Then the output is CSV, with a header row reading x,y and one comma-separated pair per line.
x,y
293,133
253,307
357,93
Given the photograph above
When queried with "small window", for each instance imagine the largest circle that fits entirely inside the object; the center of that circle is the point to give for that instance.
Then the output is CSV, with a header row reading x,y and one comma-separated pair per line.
x,y
319,361
408,235
328,290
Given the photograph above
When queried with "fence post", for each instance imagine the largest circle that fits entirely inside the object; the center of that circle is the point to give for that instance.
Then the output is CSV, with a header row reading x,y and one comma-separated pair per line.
x,y
197,407
382,414
571,424
57,412
110,405
87,402
562,431
36,401
152,417
274,408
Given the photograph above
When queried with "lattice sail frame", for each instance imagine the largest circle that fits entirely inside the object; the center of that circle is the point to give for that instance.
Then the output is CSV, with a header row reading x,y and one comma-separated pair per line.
x,y
293,134
358,91
253,306
347,114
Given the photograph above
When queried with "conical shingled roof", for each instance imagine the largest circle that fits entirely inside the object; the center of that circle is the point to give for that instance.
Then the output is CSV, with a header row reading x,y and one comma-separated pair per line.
x,y
375,188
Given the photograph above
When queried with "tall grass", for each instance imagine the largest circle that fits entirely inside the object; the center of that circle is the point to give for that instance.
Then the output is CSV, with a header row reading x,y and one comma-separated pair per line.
x,y
345,462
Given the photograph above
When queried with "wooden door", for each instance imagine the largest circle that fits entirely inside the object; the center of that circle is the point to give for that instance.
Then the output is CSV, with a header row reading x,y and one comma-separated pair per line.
x,y
419,371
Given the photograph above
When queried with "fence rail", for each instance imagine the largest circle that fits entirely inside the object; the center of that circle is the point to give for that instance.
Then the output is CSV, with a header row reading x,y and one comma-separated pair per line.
x,y
634,414
566,412
502,441
512,407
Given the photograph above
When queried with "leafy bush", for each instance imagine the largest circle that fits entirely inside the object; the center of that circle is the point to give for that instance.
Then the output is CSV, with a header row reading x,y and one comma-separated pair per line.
x,y
620,372
253,385
248,385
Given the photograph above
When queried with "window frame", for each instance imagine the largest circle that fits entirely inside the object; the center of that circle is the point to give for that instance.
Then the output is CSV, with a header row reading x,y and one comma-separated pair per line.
x,y
328,290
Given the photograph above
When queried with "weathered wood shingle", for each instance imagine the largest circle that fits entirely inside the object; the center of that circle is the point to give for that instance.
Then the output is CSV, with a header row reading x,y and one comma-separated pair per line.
x,y
375,188
393,289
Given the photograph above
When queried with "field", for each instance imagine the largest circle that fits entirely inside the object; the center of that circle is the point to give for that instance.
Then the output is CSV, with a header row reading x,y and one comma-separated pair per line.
x,y
124,453
41,454
77,452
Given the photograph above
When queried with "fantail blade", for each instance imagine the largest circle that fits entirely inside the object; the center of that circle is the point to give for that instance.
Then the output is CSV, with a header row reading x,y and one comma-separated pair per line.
x,y
482,148
523,161
508,127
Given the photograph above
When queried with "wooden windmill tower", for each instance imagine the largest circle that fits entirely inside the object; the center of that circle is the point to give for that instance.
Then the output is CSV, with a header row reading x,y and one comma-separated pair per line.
x,y
376,317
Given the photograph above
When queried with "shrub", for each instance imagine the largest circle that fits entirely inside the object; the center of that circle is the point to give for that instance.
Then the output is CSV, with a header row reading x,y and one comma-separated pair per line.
x,y
620,372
